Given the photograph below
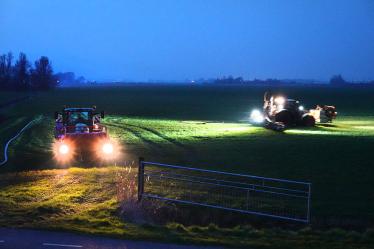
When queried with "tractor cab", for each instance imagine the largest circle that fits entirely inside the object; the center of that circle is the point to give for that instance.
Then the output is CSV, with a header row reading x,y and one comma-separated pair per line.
x,y
79,122
277,104
74,116
286,111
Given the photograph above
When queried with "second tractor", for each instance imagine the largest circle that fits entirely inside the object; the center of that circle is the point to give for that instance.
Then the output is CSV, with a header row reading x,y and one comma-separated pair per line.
x,y
280,113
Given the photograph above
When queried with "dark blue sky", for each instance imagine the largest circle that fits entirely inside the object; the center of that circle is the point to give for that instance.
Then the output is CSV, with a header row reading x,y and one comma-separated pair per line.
x,y
176,39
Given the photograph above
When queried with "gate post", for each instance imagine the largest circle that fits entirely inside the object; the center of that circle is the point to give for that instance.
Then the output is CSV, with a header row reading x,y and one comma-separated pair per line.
x,y
309,197
140,178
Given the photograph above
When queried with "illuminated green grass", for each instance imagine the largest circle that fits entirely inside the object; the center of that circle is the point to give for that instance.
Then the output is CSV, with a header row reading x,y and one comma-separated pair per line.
x,y
205,128
346,126
328,156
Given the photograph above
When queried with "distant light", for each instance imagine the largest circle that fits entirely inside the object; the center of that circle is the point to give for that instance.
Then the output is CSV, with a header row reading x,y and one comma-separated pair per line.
x,y
301,108
257,116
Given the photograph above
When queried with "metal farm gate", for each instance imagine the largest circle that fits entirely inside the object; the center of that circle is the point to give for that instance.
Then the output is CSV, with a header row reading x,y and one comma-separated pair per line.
x,y
275,198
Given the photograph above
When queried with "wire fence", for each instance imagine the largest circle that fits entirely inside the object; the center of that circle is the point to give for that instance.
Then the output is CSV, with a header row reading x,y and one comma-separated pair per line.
x,y
275,198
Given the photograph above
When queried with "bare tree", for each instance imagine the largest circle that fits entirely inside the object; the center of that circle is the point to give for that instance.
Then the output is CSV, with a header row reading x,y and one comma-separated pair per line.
x,y
42,77
22,73
6,70
2,71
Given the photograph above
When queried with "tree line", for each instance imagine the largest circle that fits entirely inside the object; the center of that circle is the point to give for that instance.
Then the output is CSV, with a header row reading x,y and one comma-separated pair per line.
x,y
335,80
22,75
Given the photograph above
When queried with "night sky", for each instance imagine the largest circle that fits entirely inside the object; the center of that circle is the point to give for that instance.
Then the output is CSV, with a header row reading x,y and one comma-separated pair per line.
x,y
178,40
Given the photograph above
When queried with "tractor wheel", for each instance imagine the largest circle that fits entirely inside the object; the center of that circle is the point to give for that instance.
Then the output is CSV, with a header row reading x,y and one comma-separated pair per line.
x,y
308,121
285,117
275,126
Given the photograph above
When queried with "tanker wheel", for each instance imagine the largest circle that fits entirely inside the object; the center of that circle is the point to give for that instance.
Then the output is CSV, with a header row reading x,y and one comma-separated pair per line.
x,y
308,121
285,117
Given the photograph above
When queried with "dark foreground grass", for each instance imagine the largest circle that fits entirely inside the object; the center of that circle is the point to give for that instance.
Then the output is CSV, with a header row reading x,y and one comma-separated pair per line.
x,y
209,102
10,95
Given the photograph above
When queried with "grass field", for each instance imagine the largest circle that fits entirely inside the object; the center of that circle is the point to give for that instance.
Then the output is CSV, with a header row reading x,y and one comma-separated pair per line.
x,y
204,126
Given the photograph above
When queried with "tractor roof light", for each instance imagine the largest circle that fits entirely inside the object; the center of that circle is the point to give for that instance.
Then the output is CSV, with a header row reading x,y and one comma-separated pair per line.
x,y
280,100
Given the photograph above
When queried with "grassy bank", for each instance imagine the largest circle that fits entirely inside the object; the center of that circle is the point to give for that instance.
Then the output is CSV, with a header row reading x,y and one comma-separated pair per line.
x,y
88,200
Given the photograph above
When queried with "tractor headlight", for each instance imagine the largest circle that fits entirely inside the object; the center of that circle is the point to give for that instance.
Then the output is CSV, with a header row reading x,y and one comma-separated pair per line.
x,y
301,108
257,116
107,148
63,149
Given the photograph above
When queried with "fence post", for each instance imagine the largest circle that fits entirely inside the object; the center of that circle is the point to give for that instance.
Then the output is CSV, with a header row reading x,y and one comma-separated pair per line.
x,y
140,178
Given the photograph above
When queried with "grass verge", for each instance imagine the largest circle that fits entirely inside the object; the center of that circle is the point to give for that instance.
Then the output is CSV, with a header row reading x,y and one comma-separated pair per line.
x,y
89,201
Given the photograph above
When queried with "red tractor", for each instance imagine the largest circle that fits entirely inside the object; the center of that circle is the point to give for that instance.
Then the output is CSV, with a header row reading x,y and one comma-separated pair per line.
x,y
80,135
